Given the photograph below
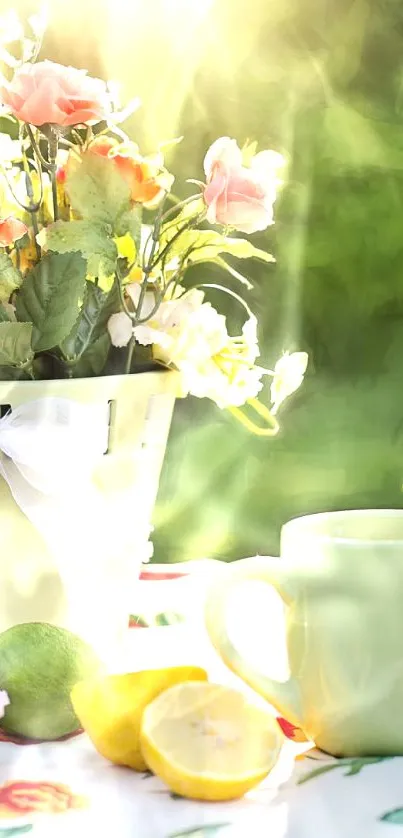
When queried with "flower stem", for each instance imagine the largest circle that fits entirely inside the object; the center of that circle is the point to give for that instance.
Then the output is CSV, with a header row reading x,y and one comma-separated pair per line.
x,y
193,222
272,427
178,206
36,150
34,218
147,268
130,353
119,280
53,142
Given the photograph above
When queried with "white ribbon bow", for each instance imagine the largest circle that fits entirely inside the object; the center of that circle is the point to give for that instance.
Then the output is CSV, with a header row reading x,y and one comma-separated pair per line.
x,y
51,446
48,451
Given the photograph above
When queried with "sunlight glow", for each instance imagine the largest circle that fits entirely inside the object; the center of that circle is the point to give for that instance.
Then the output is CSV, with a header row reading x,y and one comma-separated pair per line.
x,y
155,55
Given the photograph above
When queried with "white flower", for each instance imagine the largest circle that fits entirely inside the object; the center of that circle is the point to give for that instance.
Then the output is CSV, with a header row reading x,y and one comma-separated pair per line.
x,y
249,334
187,333
197,331
4,702
267,163
149,332
178,318
214,365
288,376
120,328
168,322
229,386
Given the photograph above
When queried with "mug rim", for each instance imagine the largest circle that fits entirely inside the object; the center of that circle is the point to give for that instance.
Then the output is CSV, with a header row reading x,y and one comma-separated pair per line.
x,y
293,523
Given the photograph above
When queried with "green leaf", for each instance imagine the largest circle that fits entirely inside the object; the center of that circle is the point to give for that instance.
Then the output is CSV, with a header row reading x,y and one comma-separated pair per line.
x,y
97,191
10,277
394,816
353,765
189,211
15,344
89,239
356,765
13,374
208,245
14,831
168,618
130,222
93,360
205,831
49,298
92,321
324,769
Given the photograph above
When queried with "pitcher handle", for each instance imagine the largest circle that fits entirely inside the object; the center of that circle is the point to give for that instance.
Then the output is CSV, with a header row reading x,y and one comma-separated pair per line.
x,y
283,695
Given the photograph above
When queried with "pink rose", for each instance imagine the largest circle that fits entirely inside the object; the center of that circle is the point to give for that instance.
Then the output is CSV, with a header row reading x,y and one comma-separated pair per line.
x,y
52,93
239,196
11,229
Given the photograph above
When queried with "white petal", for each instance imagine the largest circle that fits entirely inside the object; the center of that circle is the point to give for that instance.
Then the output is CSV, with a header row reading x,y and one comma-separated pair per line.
x,y
224,149
249,330
146,334
268,161
288,376
120,329
133,290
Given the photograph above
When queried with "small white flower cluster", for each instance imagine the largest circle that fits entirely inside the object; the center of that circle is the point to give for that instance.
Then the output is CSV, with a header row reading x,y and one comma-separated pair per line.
x,y
188,334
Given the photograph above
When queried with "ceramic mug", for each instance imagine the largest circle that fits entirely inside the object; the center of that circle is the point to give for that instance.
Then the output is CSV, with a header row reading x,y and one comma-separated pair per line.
x,y
341,578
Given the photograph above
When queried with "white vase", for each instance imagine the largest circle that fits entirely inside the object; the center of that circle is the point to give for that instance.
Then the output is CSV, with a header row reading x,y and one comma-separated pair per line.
x,y
92,596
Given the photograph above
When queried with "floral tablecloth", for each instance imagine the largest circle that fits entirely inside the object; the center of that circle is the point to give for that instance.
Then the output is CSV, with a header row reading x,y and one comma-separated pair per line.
x,y
65,788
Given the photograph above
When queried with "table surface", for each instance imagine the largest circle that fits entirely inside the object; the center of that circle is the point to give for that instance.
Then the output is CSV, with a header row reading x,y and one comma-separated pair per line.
x,y
64,788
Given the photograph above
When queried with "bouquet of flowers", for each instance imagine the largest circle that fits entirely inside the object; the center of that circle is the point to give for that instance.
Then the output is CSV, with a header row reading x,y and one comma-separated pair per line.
x,y
86,286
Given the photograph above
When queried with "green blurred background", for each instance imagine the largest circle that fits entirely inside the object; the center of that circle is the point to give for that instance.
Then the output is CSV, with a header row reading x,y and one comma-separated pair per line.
x,y
322,82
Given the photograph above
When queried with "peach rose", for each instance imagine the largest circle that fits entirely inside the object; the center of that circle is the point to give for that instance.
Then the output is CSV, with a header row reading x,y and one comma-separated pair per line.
x,y
238,196
146,176
52,93
11,229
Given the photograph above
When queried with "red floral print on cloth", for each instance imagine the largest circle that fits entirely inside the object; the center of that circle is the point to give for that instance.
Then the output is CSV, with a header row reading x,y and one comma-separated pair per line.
x,y
23,797
291,731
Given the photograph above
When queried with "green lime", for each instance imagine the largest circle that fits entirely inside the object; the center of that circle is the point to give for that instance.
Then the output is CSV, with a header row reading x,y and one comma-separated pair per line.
x,y
39,666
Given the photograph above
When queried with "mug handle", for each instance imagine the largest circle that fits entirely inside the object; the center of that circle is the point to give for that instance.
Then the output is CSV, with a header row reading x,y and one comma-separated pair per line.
x,y
283,695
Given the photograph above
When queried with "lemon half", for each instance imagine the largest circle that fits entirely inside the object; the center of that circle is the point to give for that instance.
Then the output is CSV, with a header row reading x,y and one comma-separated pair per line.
x,y
209,742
